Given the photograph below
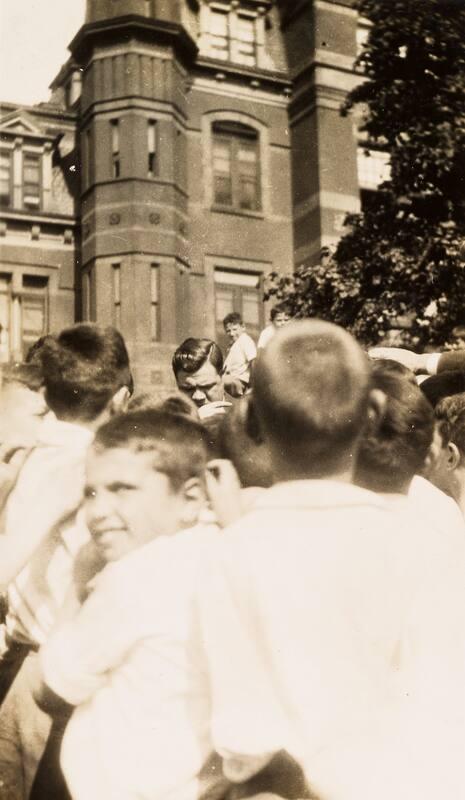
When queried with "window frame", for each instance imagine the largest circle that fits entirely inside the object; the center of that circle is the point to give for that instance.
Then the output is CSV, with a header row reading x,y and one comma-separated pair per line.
x,y
236,135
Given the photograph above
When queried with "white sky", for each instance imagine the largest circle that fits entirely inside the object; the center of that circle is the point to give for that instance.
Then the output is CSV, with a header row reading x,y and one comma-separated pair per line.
x,y
34,35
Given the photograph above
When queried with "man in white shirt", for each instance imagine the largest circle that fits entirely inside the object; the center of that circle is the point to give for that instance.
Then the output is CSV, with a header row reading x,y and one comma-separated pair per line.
x,y
316,611
240,358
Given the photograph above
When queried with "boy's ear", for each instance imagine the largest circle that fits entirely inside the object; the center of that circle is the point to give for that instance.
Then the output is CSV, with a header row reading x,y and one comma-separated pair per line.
x,y
453,456
119,401
377,401
194,498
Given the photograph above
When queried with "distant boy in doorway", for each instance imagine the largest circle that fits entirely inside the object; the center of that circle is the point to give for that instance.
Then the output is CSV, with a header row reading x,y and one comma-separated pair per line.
x,y
241,355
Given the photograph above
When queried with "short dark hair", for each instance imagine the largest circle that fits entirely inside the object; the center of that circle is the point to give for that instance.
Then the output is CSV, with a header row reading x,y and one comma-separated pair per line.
x,y
443,385
456,433
84,366
232,319
311,387
193,353
28,375
279,308
392,452
446,412
177,442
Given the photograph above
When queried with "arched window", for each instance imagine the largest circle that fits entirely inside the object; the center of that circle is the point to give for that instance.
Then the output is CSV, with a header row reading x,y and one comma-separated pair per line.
x,y
236,166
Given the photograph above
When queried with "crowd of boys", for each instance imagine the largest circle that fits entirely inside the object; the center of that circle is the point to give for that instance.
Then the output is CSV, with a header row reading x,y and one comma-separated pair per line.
x,y
254,587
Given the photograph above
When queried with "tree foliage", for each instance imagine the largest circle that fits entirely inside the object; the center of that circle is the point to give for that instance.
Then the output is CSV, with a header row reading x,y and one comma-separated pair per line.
x,y
403,258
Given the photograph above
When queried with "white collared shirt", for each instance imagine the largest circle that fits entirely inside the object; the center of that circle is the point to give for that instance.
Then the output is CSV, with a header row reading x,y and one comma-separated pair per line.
x,y
141,728
319,622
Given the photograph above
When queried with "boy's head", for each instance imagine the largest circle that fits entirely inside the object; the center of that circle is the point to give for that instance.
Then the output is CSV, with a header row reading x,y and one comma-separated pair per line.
x,y
241,441
279,315
197,366
86,372
395,448
145,478
446,466
233,326
311,391
22,402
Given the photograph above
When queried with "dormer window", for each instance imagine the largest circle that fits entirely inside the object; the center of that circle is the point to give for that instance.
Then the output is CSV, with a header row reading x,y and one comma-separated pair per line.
x,y
230,33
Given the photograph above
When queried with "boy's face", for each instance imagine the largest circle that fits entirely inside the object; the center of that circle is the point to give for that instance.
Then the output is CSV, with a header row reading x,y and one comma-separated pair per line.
x,y
127,502
280,319
234,330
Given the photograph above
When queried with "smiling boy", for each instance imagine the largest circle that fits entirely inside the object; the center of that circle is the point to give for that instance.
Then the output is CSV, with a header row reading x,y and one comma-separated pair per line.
x,y
140,726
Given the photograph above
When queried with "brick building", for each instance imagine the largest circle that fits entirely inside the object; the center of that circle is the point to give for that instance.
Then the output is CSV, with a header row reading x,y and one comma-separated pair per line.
x,y
189,147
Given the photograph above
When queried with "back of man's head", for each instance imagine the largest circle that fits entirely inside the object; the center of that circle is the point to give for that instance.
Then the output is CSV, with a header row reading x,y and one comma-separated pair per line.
x,y
84,367
394,450
311,390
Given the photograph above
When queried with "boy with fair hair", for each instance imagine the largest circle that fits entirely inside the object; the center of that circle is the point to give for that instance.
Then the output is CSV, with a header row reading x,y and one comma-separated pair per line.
x,y
320,613
140,723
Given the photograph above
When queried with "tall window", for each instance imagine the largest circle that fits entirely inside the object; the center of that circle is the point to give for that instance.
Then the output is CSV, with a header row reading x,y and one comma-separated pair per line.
x,y
151,148
115,155
31,180
231,35
154,301
34,309
236,166
5,317
116,275
241,292
243,42
5,178
23,316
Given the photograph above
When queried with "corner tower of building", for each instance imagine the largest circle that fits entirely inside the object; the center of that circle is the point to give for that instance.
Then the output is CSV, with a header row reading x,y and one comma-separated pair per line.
x,y
135,58
185,167
320,41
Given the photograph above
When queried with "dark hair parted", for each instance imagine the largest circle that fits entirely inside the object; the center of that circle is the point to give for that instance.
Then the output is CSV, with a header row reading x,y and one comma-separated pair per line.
x,y
232,319
176,441
392,452
311,387
84,366
193,353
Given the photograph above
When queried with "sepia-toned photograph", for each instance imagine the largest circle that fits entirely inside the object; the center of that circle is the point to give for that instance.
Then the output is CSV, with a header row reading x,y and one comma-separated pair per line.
x,y
232,399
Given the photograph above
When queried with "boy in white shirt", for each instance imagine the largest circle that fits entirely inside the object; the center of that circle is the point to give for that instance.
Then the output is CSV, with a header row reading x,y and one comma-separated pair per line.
x,y
140,726
240,357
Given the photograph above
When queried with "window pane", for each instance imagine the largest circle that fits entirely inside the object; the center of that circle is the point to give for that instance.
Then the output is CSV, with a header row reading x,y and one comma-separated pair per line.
x,y
34,316
218,22
224,302
223,191
248,198
5,168
31,180
251,307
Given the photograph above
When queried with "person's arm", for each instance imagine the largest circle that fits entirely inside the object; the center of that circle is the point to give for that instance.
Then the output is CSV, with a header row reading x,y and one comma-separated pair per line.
x,y
36,505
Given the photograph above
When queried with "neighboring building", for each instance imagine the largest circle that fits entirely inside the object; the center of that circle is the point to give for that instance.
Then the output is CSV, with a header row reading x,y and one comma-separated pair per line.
x,y
189,148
